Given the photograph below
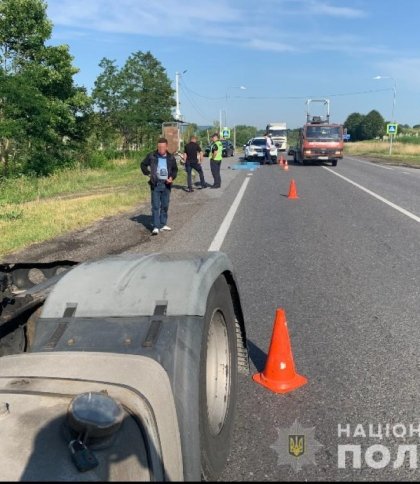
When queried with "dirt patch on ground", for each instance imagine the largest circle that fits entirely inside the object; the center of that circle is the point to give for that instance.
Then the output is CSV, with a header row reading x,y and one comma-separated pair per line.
x,y
111,235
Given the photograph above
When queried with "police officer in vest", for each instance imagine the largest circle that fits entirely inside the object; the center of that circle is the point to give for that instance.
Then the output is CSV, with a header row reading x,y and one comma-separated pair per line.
x,y
216,150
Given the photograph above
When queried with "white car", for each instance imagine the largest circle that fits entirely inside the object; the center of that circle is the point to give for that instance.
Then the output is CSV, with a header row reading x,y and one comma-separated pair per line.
x,y
255,150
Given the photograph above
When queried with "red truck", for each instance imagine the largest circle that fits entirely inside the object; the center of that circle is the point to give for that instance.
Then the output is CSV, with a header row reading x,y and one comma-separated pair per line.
x,y
319,140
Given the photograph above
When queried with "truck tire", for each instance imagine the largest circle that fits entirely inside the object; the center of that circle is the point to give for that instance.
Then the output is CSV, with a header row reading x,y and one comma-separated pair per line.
x,y
218,380
334,163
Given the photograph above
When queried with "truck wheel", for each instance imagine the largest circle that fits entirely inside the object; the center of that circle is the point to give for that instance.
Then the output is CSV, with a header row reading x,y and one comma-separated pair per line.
x,y
218,380
334,163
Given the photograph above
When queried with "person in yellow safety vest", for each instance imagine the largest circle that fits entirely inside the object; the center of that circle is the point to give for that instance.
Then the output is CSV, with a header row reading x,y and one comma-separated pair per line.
x,y
216,150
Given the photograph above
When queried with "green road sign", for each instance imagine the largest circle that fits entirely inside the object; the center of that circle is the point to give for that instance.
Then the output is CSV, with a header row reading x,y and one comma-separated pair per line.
x,y
225,133
391,128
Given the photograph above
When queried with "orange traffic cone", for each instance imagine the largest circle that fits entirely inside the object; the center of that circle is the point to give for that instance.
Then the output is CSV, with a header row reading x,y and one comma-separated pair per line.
x,y
279,374
292,190
281,161
286,166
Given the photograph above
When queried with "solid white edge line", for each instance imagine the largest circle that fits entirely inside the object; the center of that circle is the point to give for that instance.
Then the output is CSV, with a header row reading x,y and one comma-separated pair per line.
x,y
373,194
224,227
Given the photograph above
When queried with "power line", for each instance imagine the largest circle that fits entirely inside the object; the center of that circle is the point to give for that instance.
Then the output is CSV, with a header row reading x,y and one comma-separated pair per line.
x,y
370,91
200,95
314,96
193,104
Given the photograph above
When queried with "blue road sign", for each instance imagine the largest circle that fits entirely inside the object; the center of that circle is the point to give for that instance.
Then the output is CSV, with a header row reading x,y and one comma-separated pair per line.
x,y
391,128
225,133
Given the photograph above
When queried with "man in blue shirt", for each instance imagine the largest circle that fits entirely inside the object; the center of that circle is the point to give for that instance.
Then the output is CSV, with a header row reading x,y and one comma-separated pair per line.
x,y
161,167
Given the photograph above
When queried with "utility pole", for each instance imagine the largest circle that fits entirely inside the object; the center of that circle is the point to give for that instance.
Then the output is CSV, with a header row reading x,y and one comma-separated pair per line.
x,y
178,115
394,98
177,110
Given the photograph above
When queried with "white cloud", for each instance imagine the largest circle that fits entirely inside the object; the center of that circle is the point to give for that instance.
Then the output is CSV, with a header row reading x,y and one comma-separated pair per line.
x,y
321,8
163,18
220,22
270,45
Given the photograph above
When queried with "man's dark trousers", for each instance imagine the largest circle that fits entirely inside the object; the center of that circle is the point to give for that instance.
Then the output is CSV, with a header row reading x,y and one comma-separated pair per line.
x,y
160,204
194,165
215,171
267,157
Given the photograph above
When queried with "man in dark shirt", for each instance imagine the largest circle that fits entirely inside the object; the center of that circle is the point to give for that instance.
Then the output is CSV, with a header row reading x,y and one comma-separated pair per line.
x,y
161,168
193,157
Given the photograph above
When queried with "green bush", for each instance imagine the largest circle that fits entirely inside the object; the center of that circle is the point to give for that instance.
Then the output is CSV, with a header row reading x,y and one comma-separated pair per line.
x,y
413,140
96,159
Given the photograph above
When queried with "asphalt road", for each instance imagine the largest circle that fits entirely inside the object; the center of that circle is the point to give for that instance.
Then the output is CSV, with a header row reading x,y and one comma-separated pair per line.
x,y
343,261
345,267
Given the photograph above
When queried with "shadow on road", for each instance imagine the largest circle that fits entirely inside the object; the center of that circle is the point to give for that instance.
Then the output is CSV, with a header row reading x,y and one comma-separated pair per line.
x,y
256,355
143,219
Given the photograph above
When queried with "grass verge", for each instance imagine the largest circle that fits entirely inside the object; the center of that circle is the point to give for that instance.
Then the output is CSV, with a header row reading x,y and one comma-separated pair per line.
x,y
401,152
36,210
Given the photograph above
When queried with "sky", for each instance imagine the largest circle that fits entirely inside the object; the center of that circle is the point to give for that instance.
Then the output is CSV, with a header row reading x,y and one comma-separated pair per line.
x,y
248,62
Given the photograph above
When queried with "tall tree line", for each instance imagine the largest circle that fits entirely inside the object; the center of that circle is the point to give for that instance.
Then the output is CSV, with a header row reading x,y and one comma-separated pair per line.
x,y
362,127
46,120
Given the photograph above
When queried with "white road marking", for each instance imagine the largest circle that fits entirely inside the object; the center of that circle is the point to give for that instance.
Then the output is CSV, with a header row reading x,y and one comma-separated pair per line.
x,y
223,229
384,200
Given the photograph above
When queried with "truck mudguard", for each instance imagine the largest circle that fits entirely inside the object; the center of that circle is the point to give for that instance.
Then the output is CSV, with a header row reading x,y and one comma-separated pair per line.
x,y
153,306
130,285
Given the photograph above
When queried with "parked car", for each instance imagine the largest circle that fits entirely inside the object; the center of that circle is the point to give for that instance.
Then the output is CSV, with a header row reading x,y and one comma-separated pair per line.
x,y
228,149
254,150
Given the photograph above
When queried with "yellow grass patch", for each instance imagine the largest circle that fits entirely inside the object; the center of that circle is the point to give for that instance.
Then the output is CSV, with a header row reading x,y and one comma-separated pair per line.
x,y
400,151
41,220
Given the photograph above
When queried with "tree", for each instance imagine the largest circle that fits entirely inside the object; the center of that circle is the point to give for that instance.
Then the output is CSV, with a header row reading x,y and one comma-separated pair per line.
x,y
372,126
135,100
24,28
353,124
41,110
244,133
108,99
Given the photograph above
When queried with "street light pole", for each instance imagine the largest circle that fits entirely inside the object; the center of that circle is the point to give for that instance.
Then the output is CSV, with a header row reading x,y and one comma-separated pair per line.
x,y
178,115
394,100
226,95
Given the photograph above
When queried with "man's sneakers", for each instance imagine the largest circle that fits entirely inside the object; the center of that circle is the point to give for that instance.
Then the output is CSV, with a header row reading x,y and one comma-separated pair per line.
x,y
155,231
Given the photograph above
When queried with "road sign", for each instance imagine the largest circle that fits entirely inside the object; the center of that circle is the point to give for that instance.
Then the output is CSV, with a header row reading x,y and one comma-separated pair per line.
x,y
346,137
225,133
391,128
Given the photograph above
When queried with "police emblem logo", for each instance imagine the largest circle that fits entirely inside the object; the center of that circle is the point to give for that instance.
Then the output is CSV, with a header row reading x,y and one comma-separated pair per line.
x,y
296,445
